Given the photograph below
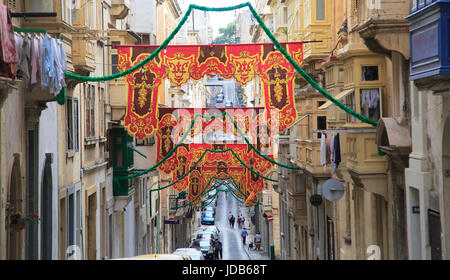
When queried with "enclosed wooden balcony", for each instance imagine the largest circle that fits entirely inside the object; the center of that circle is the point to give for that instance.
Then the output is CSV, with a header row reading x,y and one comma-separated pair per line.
x,y
83,52
120,9
362,152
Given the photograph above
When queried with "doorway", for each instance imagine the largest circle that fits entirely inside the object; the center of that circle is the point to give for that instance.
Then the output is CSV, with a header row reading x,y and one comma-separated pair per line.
x,y
92,225
15,205
47,210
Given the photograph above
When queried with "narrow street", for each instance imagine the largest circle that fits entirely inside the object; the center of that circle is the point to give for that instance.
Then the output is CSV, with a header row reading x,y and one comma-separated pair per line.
x,y
231,237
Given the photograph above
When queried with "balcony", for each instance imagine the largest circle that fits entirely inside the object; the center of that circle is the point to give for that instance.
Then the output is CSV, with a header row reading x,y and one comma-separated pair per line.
x,y
122,187
83,52
175,206
119,9
267,201
429,27
299,205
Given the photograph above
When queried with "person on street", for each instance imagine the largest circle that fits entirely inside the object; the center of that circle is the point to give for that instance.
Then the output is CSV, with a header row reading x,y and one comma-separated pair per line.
x,y
220,252
244,234
239,221
216,249
243,221
232,221
229,217
257,241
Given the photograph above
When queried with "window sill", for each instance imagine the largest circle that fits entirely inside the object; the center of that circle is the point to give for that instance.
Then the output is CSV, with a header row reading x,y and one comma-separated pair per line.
x,y
70,154
90,141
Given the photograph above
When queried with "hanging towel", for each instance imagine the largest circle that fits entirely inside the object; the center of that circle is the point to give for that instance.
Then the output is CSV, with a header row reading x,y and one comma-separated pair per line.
x,y
323,151
337,151
7,36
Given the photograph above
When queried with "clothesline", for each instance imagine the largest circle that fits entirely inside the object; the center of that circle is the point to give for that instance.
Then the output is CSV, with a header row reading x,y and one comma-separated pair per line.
x,y
335,131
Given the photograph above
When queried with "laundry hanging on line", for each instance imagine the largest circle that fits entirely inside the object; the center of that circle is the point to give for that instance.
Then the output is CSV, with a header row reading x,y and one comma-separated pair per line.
x,y
37,59
42,61
330,151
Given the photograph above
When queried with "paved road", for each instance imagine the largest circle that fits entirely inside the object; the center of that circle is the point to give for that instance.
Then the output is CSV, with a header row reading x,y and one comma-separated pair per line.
x,y
231,237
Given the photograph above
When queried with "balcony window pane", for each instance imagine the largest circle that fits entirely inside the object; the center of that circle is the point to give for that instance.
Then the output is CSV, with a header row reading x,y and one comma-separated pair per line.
x,y
69,117
370,103
41,5
369,73
320,9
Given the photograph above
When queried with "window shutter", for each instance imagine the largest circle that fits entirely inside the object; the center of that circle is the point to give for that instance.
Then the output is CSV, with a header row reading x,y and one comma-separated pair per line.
x,y
12,5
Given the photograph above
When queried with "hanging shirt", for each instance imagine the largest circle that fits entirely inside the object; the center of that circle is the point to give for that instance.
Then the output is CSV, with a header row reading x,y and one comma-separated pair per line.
x,y
62,63
48,69
19,44
333,155
35,57
25,60
54,84
323,151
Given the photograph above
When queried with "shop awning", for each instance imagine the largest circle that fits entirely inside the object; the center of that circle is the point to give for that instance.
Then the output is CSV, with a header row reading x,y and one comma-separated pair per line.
x,y
341,95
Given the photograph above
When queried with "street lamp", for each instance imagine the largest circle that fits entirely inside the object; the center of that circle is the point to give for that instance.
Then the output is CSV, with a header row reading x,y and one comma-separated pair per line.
x,y
213,86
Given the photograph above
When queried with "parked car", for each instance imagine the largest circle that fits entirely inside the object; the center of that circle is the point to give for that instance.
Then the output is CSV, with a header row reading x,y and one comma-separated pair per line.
x,y
205,246
211,229
208,218
193,253
206,235
220,97
155,257
209,209
229,104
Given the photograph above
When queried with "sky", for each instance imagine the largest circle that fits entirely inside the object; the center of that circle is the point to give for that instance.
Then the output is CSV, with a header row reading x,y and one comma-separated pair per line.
x,y
218,19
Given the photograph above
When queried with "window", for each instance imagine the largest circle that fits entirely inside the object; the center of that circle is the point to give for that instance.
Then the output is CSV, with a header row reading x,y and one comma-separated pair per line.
x,y
90,111
101,111
300,184
72,124
149,141
75,125
40,5
320,9
321,125
370,103
320,103
66,10
285,15
144,191
69,118
115,43
114,60
350,102
369,73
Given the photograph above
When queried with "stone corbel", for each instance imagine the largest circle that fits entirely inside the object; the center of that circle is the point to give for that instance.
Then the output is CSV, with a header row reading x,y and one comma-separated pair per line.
x,y
384,36
33,112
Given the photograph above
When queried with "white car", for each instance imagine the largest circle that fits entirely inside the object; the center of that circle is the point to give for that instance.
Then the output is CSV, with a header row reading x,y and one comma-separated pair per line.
x,y
193,253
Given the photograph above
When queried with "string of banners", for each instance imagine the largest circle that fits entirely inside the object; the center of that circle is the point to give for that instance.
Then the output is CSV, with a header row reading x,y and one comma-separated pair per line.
x,y
179,64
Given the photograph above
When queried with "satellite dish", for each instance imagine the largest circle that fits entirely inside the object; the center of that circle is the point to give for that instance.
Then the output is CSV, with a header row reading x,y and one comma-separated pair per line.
x,y
333,189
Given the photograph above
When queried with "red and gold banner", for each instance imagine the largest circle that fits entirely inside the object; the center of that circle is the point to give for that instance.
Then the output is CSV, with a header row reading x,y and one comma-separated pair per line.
x,y
177,63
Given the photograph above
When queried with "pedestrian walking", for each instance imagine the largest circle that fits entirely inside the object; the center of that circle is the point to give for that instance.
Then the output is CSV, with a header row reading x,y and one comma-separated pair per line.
x,y
239,221
220,253
229,217
217,247
243,221
244,234
232,221
257,241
